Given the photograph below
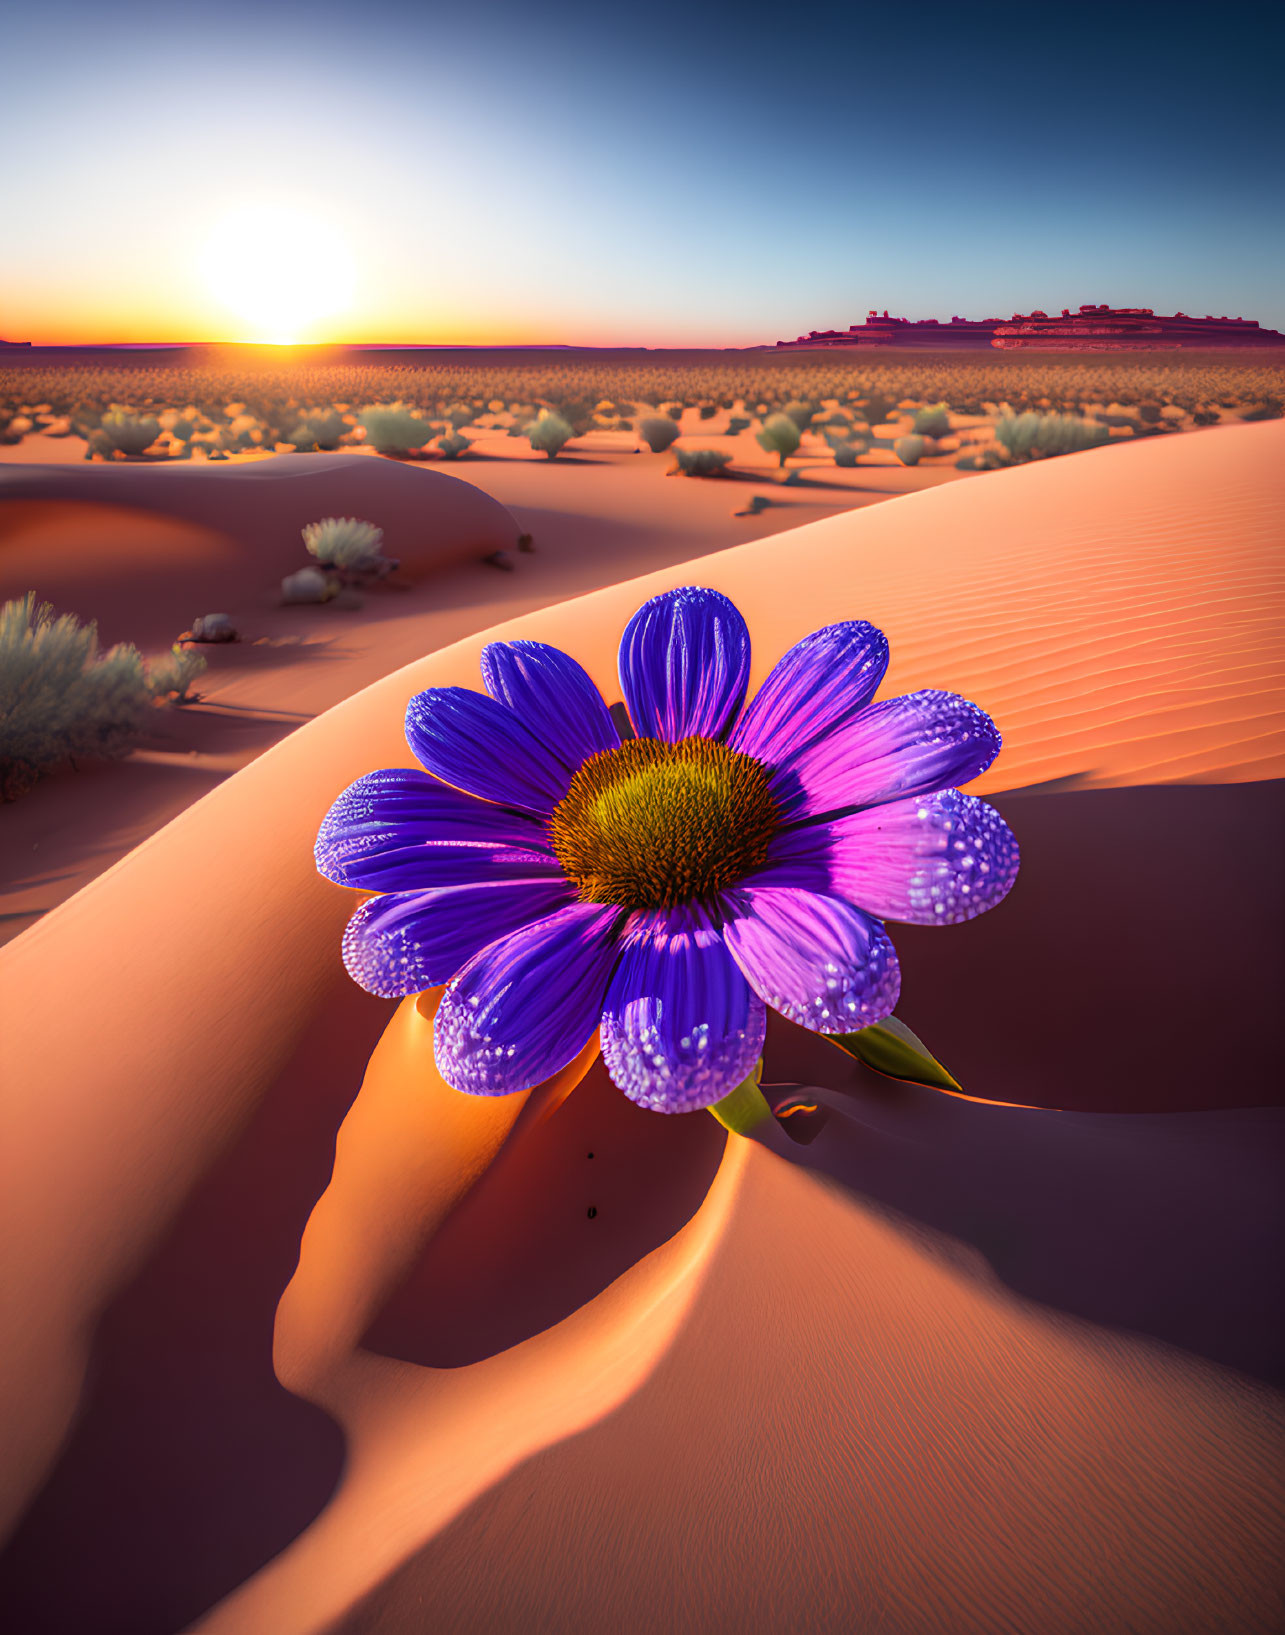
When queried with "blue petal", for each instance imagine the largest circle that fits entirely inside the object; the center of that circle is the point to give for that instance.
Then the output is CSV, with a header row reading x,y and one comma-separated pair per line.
x,y
680,1026
528,1004
397,829
553,696
821,962
893,750
934,860
412,940
467,739
818,684
684,665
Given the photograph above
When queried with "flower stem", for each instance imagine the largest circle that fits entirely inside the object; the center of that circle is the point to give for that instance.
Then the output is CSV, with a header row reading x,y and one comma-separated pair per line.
x,y
744,1108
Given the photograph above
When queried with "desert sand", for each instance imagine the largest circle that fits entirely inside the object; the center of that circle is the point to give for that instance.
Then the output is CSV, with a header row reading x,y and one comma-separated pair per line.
x,y
949,1367
145,557
144,547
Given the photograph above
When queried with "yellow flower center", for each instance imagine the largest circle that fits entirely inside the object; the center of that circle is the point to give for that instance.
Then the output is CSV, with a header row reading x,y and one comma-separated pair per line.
x,y
651,824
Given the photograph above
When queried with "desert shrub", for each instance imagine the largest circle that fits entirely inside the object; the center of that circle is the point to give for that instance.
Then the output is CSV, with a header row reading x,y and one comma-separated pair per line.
x,y
737,424
658,432
1270,410
1034,436
171,677
392,428
13,428
801,413
279,398
549,433
129,433
578,412
453,445
321,430
780,436
459,415
933,421
673,411
909,449
875,409
701,462
59,698
847,453
347,543
708,411
302,438
1206,417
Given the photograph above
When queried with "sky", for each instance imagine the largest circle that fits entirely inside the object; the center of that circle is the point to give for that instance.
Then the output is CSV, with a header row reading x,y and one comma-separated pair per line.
x,y
703,175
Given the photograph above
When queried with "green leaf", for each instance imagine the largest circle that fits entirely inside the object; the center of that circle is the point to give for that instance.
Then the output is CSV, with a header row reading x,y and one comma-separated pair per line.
x,y
743,1109
892,1049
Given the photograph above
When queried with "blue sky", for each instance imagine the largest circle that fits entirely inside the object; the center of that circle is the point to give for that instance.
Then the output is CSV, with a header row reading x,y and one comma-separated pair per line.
x,y
715,175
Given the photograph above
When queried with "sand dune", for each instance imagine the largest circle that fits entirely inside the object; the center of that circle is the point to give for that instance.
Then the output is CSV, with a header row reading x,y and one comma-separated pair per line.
x,y
145,548
850,1414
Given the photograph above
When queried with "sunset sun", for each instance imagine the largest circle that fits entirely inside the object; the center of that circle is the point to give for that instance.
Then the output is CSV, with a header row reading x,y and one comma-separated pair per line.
x,y
279,270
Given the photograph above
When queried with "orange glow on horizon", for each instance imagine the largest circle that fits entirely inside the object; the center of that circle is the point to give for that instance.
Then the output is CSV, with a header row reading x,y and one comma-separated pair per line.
x,y
189,327
92,316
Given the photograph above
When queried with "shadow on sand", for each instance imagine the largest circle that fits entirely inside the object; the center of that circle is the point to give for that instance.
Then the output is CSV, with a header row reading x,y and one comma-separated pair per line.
x,y
1139,1002
225,1467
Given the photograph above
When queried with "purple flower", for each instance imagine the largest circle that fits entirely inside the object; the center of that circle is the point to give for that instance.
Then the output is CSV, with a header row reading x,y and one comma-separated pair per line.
x,y
666,889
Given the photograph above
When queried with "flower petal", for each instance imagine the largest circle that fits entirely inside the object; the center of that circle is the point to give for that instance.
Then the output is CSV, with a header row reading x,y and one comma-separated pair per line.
x,y
482,747
680,1026
934,860
820,682
893,750
526,1005
553,696
418,867
385,826
819,961
684,664
408,941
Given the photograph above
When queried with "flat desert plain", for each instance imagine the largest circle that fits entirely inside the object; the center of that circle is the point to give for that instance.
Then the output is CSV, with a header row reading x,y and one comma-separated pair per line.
x,y
306,1341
